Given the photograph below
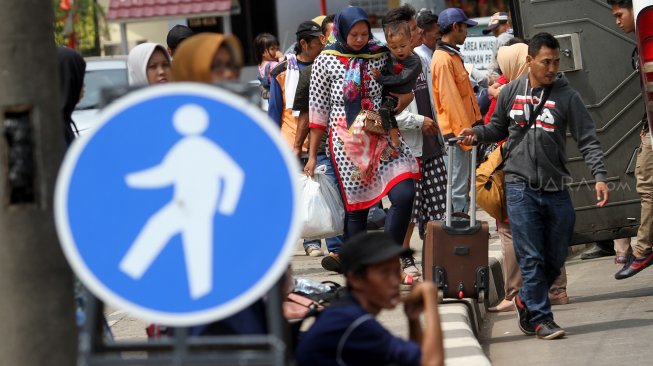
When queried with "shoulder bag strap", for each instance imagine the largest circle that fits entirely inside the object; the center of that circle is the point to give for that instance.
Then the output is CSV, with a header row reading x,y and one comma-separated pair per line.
x,y
525,129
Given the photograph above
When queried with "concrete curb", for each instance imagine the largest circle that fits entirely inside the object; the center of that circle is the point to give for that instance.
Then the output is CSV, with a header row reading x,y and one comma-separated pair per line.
x,y
461,345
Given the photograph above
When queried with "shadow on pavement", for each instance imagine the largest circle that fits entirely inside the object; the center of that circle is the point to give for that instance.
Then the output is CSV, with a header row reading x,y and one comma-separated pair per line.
x,y
571,331
605,326
613,295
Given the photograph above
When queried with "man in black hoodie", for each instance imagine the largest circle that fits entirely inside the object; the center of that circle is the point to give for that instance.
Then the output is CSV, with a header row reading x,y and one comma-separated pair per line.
x,y
540,210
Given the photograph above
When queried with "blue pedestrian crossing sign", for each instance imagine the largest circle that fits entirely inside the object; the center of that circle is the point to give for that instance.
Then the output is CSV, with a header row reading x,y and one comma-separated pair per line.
x,y
181,206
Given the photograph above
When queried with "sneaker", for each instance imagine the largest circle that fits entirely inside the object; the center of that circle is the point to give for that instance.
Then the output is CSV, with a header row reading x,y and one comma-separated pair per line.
x,y
634,266
408,265
332,263
313,250
524,317
548,330
560,298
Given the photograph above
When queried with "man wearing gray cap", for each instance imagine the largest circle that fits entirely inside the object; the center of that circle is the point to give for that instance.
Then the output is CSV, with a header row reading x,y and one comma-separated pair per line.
x,y
347,333
501,27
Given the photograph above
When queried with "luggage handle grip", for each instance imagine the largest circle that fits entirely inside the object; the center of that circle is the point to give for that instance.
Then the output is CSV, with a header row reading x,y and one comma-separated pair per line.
x,y
461,251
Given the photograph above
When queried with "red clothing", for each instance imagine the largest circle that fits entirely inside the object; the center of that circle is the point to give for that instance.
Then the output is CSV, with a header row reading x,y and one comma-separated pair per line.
x,y
501,80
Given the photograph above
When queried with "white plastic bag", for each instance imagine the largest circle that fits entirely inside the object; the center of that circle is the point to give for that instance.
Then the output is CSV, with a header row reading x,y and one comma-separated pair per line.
x,y
322,211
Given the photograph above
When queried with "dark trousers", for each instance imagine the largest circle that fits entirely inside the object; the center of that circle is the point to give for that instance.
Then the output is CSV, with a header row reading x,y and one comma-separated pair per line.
x,y
542,225
396,223
387,112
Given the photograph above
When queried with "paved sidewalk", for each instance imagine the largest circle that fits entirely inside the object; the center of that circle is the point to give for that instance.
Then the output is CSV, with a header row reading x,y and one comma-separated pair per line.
x,y
608,322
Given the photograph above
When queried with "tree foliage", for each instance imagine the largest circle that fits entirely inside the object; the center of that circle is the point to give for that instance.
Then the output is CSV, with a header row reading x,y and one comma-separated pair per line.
x,y
89,23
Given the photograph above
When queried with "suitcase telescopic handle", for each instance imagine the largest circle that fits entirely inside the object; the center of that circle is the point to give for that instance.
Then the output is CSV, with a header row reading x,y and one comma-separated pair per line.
x,y
451,144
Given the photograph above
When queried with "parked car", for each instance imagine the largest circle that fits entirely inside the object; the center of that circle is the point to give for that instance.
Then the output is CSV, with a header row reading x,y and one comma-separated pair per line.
x,y
101,73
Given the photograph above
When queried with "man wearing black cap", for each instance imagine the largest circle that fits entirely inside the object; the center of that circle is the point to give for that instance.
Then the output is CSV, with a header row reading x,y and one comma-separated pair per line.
x,y
348,333
501,27
285,76
284,79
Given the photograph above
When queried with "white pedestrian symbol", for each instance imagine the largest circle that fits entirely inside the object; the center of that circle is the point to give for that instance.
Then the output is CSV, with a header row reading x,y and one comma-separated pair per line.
x,y
206,180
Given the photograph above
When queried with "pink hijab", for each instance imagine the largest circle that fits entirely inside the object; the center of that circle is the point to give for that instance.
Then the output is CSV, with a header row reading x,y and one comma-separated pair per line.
x,y
512,60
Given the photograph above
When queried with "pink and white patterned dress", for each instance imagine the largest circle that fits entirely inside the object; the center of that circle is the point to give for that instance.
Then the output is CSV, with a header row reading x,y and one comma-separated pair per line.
x,y
366,165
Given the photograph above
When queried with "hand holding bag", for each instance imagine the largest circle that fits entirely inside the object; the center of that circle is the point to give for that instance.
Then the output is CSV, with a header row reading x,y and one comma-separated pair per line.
x,y
322,212
490,193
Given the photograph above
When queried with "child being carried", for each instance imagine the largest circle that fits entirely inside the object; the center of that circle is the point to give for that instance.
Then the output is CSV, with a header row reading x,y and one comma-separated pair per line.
x,y
398,76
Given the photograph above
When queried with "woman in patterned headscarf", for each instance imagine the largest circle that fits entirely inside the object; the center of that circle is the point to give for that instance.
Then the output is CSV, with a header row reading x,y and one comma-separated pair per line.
x,y
367,166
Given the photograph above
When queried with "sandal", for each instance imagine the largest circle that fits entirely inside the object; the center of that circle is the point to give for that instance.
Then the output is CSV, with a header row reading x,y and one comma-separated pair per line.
x,y
504,305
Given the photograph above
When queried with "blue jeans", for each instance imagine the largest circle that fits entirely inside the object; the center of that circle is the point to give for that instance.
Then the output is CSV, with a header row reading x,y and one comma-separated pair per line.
x,y
462,160
542,225
396,222
333,244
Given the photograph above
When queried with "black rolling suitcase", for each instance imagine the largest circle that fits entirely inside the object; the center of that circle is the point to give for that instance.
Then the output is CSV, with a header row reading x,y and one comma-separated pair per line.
x,y
455,252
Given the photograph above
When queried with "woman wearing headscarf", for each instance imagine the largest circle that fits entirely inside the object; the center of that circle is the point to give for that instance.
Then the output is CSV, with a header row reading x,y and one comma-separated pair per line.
x,y
512,63
367,166
211,58
71,76
148,63
208,58
513,59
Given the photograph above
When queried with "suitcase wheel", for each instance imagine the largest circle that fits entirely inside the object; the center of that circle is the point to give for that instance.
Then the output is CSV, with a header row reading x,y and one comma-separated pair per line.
x,y
481,297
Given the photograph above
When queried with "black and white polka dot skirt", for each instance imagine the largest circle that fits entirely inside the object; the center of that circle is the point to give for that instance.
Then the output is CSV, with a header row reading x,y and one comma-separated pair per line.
x,y
430,192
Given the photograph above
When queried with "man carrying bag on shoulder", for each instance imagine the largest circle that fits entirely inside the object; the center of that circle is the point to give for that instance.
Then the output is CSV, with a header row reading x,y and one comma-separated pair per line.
x,y
540,210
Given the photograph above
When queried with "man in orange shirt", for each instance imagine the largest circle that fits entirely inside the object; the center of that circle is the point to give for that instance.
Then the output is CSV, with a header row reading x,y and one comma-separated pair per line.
x,y
454,99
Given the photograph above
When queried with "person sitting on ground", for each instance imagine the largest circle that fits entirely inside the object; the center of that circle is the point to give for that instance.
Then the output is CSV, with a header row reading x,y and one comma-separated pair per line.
x,y
176,35
348,333
398,76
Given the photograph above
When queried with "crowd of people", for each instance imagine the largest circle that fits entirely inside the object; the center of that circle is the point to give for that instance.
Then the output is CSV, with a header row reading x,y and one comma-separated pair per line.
x,y
320,95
